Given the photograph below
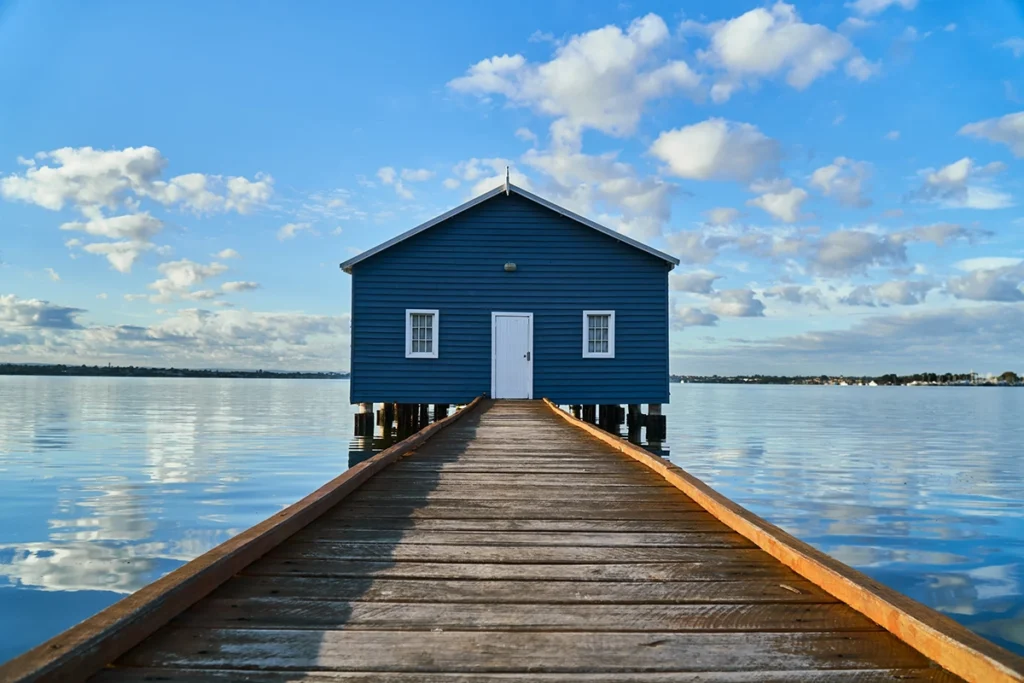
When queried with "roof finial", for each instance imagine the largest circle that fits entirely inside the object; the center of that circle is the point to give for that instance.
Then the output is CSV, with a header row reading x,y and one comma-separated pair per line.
x,y
506,182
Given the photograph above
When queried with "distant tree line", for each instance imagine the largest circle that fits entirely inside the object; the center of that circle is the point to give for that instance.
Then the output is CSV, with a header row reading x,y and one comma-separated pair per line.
x,y
891,379
134,371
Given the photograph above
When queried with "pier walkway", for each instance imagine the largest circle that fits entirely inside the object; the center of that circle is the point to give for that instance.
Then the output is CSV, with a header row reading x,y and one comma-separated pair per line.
x,y
514,547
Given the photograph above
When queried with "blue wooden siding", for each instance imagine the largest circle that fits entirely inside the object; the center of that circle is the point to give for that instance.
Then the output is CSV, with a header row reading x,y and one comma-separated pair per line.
x,y
563,268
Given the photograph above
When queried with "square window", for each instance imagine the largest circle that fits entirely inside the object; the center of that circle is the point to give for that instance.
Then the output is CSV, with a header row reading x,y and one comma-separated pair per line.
x,y
599,334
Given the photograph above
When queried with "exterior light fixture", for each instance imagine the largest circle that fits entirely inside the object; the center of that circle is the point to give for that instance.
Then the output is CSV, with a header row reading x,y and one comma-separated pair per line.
x,y
510,267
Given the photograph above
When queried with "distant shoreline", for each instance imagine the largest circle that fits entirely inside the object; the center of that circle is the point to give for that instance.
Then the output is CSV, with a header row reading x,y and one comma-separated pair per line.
x,y
927,379
921,379
58,370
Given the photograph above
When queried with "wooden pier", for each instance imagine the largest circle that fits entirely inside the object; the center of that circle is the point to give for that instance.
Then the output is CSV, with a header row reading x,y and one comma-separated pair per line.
x,y
515,544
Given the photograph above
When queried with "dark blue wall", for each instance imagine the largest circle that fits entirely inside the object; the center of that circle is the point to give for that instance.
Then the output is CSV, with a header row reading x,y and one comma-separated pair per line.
x,y
563,268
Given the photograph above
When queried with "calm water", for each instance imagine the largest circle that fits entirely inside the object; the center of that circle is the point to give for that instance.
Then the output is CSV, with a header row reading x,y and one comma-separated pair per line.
x,y
106,484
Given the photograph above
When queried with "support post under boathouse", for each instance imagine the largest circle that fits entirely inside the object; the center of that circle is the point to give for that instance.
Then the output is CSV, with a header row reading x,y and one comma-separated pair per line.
x,y
512,297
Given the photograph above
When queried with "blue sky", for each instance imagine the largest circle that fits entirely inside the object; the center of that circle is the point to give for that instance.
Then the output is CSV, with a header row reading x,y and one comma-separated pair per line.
x,y
842,181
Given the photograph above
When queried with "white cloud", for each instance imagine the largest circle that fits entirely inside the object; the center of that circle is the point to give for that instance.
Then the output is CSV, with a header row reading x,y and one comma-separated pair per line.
x,y
85,177
844,180
18,314
988,263
38,331
389,176
861,69
1004,283
1014,45
487,174
244,195
697,282
526,135
949,28
940,234
722,215
227,253
1008,130
797,294
180,276
964,336
765,42
89,178
693,246
96,181
851,24
960,185
137,227
870,7
212,193
417,175
291,230
688,316
240,286
601,79
451,183
785,206
801,249
101,295
717,149
737,303
849,251
604,188
121,255
897,292
53,274
892,135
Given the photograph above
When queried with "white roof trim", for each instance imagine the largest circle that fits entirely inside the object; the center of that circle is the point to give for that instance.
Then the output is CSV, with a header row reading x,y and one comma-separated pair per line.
x,y
506,188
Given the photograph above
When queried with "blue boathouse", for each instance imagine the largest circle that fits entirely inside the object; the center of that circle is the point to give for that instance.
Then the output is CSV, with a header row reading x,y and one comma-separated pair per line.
x,y
511,296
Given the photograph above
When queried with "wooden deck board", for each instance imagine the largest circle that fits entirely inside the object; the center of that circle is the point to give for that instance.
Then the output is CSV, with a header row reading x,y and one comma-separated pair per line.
x,y
745,591
513,651
176,675
509,548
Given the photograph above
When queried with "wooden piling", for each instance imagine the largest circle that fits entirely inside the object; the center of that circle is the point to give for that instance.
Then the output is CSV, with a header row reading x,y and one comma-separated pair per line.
x,y
589,413
385,418
634,422
406,413
609,419
656,424
363,420
440,411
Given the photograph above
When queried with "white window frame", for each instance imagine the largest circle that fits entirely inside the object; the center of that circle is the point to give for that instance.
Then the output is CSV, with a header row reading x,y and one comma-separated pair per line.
x,y
409,312
611,335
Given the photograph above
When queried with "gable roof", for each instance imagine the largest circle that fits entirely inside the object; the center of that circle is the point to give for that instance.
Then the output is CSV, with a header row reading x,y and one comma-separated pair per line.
x,y
507,188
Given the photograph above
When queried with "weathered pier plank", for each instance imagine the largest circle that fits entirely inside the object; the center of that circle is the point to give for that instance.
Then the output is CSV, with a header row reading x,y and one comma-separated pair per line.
x,y
513,651
514,547
546,592
169,675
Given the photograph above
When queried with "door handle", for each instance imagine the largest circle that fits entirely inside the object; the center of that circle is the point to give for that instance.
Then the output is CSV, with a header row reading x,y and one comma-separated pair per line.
x,y
527,356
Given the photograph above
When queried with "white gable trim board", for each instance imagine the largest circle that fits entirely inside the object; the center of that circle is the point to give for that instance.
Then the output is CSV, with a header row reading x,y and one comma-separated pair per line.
x,y
507,188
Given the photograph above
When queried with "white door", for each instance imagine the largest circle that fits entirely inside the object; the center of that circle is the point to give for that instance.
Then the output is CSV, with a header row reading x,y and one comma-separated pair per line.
x,y
512,355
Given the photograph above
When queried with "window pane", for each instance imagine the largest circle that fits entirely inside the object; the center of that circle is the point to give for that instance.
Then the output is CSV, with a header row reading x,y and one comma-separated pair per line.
x,y
598,333
421,332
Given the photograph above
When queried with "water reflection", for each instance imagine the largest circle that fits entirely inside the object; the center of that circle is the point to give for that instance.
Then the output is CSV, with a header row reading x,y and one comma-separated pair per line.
x,y
922,490
110,483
